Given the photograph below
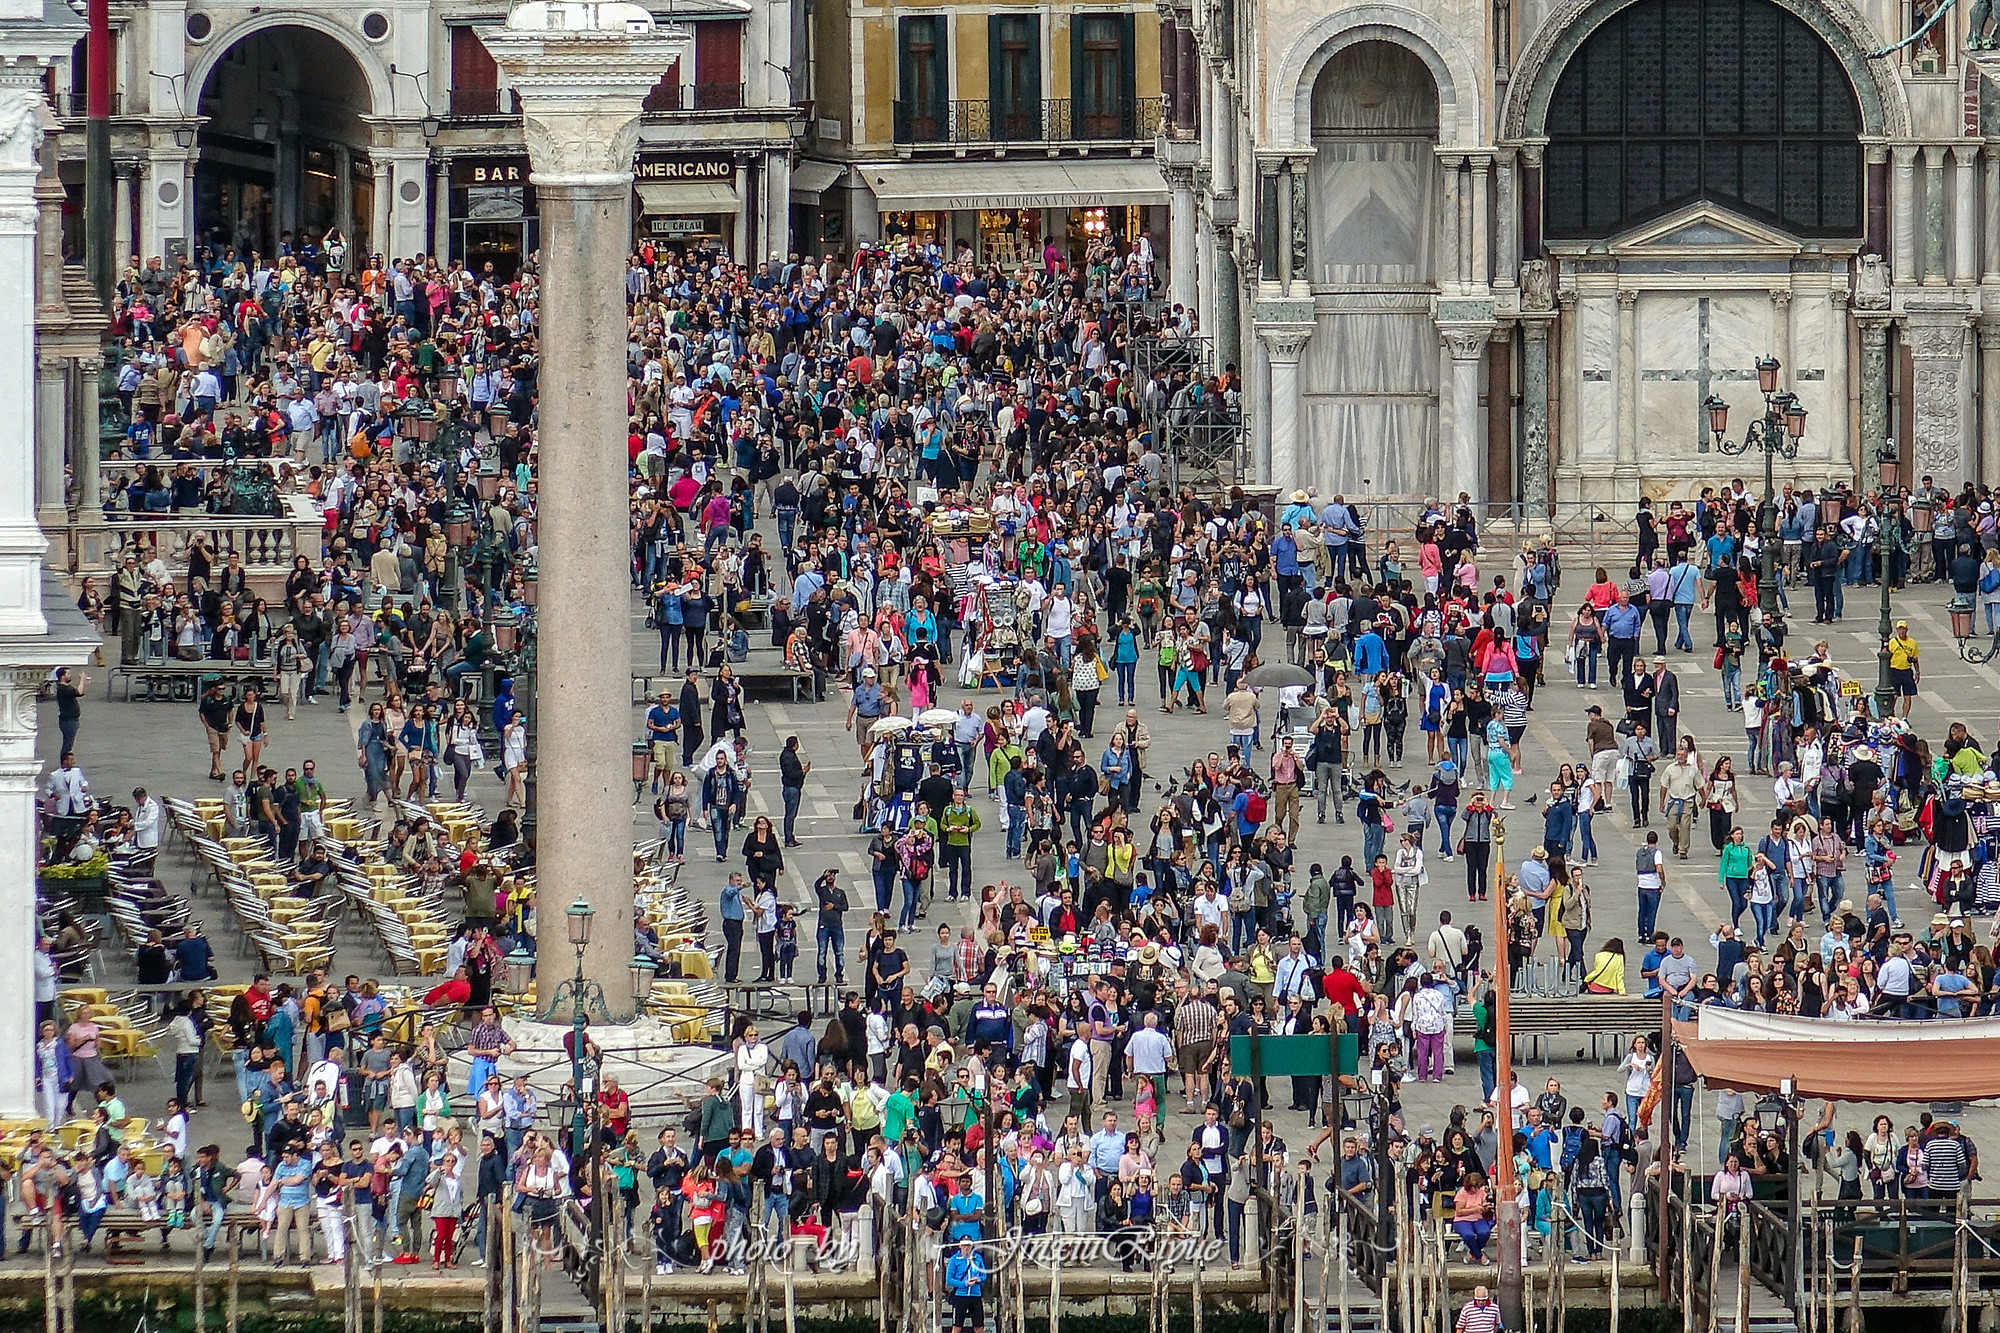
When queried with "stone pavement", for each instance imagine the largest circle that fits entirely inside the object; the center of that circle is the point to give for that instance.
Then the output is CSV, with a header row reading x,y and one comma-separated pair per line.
x,y
160,745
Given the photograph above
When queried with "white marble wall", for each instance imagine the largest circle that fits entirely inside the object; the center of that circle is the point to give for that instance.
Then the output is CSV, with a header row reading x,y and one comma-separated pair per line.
x,y
1595,393
1373,205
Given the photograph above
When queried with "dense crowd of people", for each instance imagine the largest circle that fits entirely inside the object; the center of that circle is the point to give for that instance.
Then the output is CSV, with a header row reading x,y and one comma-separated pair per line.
x,y
967,487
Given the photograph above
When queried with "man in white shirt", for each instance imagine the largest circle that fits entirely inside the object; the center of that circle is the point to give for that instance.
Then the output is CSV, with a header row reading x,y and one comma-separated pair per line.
x,y
70,790
1034,722
1146,1051
146,820
1294,973
1059,621
1078,1081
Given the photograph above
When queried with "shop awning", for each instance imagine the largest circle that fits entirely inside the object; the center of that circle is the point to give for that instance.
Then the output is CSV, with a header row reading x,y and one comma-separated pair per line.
x,y
810,179
686,197
948,186
1960,1070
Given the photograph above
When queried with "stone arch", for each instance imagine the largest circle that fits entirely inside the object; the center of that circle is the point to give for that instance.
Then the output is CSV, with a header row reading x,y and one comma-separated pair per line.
x,y
381,93
1451,66
1884,110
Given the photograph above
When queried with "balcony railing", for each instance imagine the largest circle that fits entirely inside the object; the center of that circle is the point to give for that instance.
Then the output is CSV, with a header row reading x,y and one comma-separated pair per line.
x,y
76,105
467,102
1053,120
696,97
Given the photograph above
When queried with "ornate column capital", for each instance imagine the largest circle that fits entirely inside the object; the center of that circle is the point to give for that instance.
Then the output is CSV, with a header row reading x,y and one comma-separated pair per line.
x,y
1449,160
1481,163
1626,300
1535,330
1466,342
1780,300
1531,155
581,89
1935,335
1989,335
1285,342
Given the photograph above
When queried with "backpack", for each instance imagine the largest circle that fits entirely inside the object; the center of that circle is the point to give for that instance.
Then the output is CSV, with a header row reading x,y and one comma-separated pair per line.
x,y
1833,784
1255,808
1621,1137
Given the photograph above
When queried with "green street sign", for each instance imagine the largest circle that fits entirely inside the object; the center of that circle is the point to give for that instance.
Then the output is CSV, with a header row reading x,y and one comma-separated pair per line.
x,y
1307,1056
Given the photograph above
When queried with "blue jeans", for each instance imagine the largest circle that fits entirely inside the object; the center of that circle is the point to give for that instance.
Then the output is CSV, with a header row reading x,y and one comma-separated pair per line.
x,y
1799,893
1732,684
792,795
1017,829
1489,1077
1445,814
1371,842
912,889
958,862
1829,893
1739,897
1242,930
1064,647
718,818
1649,912
1683,640
677,837
1765,915
1586,660
1456,746
1586,843
832,935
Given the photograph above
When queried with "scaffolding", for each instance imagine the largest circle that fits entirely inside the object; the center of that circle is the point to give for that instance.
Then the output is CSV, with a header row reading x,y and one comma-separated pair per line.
x,y
1199,432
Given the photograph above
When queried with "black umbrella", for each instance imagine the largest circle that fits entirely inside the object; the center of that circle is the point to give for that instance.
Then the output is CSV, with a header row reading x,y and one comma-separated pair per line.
x,y
1277,675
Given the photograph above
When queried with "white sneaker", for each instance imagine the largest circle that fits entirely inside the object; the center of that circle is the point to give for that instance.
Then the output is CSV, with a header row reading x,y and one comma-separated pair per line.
x,y
661,1270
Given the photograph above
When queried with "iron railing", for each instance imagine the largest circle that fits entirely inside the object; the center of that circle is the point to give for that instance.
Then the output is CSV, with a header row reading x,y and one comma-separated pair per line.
x,y
696,97
1051,120
467,102
76,105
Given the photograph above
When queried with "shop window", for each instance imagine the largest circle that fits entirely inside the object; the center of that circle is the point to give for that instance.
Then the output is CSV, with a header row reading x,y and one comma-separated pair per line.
x,y
1101,76
920,108
1014,64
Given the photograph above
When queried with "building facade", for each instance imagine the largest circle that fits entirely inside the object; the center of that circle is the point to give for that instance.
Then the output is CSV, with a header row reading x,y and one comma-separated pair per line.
x,y
1511,247
993,131
248,126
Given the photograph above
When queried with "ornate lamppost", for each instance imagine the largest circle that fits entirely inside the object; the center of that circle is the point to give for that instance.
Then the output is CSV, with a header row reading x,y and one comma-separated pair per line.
x,y
1777,433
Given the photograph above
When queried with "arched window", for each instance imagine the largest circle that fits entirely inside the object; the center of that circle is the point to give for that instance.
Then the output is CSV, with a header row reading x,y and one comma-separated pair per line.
x,y
1733,101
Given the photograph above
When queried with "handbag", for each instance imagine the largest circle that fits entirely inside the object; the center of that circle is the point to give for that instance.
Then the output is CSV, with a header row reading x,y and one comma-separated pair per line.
x,y
337,1019
1103,672
1718,659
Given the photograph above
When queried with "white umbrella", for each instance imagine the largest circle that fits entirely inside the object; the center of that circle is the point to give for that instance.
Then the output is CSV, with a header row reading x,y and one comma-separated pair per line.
x,y
937,717
889,726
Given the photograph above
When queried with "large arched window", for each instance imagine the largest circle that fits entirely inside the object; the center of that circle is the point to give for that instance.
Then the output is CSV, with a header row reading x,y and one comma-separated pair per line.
x,y
1733,101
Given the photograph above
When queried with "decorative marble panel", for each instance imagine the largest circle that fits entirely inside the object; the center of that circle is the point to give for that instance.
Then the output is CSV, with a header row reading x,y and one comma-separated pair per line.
x,y
1597,367
1373,202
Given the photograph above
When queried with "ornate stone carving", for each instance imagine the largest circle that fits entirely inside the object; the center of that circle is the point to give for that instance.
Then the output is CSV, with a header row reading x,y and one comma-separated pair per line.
x,y
20,126
1285,341
601,143
1466,343
1871,283
1627,300
1538,282
1301,248
1935,342
1535,415
1937,424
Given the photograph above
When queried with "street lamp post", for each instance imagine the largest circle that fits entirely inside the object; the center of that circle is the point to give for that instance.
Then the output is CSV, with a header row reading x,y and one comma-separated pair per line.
x,y
1887,543
1777,433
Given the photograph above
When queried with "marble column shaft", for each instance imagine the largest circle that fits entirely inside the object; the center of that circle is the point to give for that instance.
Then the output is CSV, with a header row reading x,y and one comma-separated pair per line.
x,y
1448,226
1482,179
1535,416
1188,78
21,540
1462,461
51,421
1628,381
1224,321
1904,222
121,211
1990,262
1508,269
581,94
1934,237
1989,404
1181,221
1965,207
19,770
1284,342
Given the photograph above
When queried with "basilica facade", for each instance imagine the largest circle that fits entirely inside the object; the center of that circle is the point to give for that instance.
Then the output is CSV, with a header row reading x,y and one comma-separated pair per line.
x,y
1512,248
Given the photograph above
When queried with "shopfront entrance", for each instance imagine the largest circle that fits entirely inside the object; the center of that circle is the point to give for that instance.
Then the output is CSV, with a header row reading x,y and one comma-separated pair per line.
x,y
687,199
493,213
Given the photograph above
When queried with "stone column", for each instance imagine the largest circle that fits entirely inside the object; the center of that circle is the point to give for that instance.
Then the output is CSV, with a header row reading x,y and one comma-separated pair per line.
x,y
1482,179
1272,208
1535,417
1284,342
1965,223
379,240
51,421
1934,270
1224,321
1187,78
147,242
1989,403
1181,222
1904,224
1301,173
1781,339
580,92
1989,268
1937,351
121,205
1507,270
1448,224
1462,460
1628,385
19,769
21,541
441,210
85,448
1221,111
